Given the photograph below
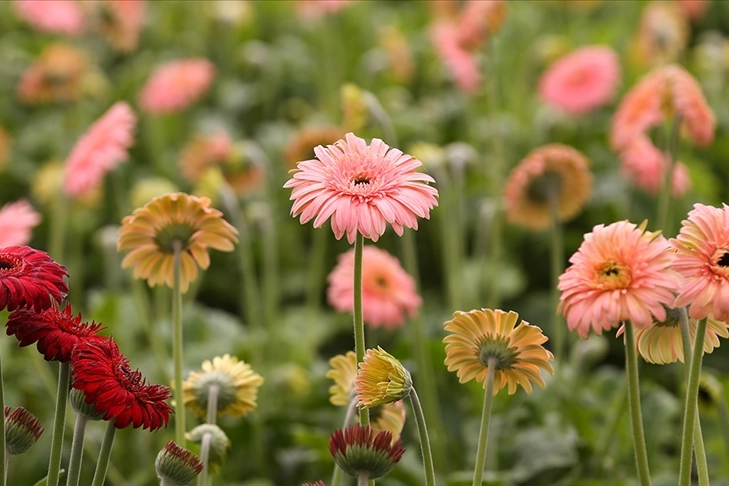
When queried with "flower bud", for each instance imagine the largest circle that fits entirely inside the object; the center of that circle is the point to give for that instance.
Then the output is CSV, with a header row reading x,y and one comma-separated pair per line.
x,y
177,466
22,430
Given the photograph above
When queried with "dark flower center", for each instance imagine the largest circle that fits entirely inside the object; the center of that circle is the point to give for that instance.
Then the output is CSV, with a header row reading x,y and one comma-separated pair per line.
x,y
9,264
174,232
545,187
361,180
497,348
724,260
613,275
381,282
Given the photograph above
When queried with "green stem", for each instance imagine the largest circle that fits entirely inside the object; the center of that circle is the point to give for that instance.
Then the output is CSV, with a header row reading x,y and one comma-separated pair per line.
x,y
483,435
213,393
59,420
202,478
423,436
362,479
359,334
556,267
77,448
636,419
3,452
102,463
664,196
691,405
177,345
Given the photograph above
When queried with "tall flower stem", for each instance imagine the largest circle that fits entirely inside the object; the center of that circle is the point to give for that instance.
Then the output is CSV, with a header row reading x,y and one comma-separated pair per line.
x,y
59,421
3,452
212,415
636,418
359,334
556,269
424,441
77,448
177,345
483,436
362,479
691,405
102,464
664,196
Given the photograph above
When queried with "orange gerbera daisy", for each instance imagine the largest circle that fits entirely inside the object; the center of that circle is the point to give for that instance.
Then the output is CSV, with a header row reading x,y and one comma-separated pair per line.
x,y
481,335
152,232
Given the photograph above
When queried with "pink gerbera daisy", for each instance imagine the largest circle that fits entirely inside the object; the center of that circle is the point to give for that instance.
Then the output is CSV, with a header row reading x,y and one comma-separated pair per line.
x,y
54,16
702,258
16,222
619,273
175,85
582,80
388,292
99,150
461,63
646,166
362,187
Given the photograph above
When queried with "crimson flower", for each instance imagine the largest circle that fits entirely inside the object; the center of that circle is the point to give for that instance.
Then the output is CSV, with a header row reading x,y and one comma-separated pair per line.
x,y
117,391
30,278
56,331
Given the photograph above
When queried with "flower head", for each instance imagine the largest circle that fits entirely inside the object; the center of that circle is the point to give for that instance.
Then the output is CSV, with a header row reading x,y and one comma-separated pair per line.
x,y
219,445
381,379
620,272
480,337
702,259
152,232
176,85
57,75
302,143
237,386
388,292
122,394
362,187
646,165
479,20
22,430
16,222
460,62
120,22
318,483
177,466
30,278
99,150
556,173
582,80
55,16
360,449
56,331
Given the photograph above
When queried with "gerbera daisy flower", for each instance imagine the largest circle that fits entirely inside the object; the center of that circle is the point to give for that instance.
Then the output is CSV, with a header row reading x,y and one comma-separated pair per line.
x,y
151,233
551,171
302,143
620,272
646,166
581,81
53,16
478,20
99,150
702,258
55,77
481,335
381,379
362,451
176,465
22,430
639,110
16,222
56,331
235,380
362,187
388,292
30,278
122,394
461,64
176,85
120,22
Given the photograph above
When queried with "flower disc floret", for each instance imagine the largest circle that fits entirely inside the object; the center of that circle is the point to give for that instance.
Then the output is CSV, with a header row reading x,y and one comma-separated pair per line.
x,y
30,278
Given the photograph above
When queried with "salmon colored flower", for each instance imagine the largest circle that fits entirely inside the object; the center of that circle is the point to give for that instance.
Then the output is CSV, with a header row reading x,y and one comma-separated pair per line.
x,y
176,85
388,292
16,222
122,394
620,272
554,172
581,81
662,34
478,20
702,258
57,76
646,166
302,143
100,150
30,278
54,16
152,232
55,331
360,450
362,187
120,22
461,64
639,110
477,337
381,379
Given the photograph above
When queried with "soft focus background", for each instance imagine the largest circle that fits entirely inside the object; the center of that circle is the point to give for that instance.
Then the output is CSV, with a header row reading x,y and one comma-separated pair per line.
x,y
372,67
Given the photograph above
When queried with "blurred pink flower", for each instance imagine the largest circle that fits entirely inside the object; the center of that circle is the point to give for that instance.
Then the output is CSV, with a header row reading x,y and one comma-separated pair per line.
x,y
311,9
646,166
478,20
689,102
582,80
702,258
99,150
694,9
461,63
620,272
362,187
54,16
388,292
16,222
175,85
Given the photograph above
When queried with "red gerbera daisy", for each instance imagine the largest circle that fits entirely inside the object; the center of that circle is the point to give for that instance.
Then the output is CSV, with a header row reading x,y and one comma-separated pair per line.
x,y
117,391
56,331
30,278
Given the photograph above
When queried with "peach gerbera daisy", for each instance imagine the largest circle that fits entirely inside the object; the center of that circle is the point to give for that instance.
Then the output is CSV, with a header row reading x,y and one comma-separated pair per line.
x,y
152,232
362,187
702,258
175,85
582,80
646,166
54,16
553,172
16,222
99,150
482,336
388,292
620,272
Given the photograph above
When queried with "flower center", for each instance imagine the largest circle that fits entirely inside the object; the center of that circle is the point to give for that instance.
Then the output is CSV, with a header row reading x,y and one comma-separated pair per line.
x,y
613,275
498,348
174,232
10,264
546,186
723,260
361,180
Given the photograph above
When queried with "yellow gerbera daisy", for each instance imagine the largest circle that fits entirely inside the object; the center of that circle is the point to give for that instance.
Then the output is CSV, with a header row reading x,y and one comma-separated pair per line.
x,y
381,379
